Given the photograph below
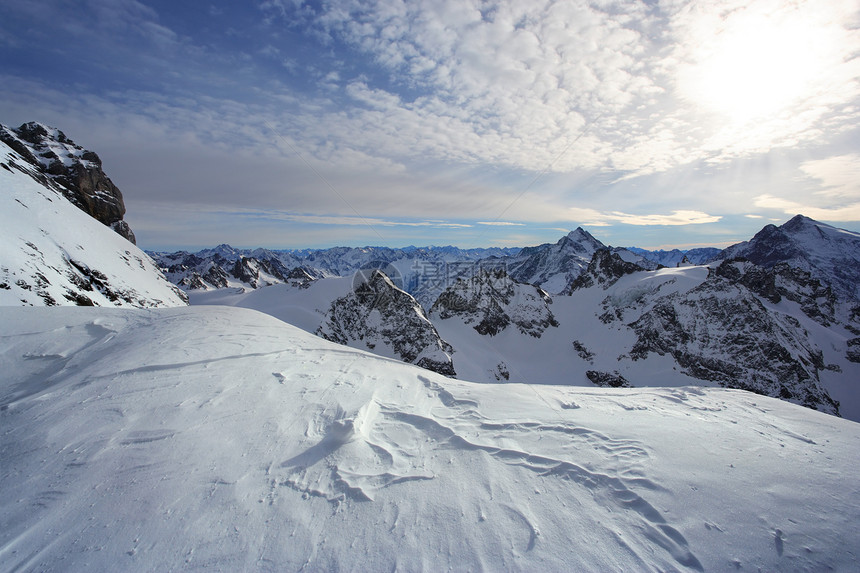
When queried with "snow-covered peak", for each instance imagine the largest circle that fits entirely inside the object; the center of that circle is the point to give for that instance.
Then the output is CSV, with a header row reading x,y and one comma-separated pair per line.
x,y
829,253
554,266
581,241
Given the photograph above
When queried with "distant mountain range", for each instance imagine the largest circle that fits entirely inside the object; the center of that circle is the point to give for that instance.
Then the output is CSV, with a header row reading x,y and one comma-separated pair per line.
x,y
595,315
777,315
424,272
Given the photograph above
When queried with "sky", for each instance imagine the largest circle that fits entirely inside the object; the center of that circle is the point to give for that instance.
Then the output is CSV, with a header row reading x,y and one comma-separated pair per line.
x,y
293,124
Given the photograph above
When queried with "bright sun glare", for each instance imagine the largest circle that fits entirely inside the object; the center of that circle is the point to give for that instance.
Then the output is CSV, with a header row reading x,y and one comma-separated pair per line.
x,y
756,63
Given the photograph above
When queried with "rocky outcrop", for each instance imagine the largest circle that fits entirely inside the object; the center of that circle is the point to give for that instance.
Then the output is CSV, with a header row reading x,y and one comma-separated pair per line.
x,y
382,318
491,301
554,266
604,270
780,281
721,331
607,379
78,173
52,253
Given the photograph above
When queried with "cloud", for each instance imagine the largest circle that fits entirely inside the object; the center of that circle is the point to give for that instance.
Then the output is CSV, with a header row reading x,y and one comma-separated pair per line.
x,y
499,223
567,86
839,176
549,112
847,212
680,217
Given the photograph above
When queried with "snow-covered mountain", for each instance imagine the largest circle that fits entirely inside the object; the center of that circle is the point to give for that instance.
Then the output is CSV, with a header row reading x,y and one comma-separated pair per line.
x,y
554,266
623,326
491,301
220,438
777,331
828,253
423,272
722,331
252,445
675,257
379,316
53,253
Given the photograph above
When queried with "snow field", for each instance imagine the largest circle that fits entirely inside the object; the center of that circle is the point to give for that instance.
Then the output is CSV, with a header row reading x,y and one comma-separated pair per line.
x,y
223,439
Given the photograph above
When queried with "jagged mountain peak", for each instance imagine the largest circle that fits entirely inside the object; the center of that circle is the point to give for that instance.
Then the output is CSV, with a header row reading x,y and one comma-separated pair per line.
x,y
583,238
379,316
555,266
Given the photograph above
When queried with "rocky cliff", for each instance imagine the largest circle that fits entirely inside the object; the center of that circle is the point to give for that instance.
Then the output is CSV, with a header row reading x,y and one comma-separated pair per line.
x,y
382,318
57,161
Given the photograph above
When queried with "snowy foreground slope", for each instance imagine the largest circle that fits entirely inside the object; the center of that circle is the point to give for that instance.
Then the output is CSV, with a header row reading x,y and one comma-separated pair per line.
x,y
220,438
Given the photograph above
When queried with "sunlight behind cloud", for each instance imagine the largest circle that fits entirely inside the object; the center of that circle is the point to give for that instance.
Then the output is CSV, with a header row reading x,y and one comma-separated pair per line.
x,y
759,62
766,72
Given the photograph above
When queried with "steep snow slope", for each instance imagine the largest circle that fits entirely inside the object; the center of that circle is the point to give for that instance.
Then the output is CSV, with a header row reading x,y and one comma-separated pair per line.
x,y
52,253
75,172
222,439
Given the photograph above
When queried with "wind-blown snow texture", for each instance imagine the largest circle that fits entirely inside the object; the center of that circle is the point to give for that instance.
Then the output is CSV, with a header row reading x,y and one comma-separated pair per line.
x,y
223,439
53,253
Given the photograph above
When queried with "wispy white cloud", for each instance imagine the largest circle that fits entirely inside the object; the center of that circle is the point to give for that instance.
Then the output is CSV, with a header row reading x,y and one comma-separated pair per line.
x,y
500,223
680,217
846,212
839,176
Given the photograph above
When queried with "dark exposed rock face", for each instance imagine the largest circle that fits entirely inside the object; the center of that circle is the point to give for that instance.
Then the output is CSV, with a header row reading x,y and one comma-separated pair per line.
x,y
721,331
780,281
607,379
492,301
853,352
378,313
71,169
604,270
